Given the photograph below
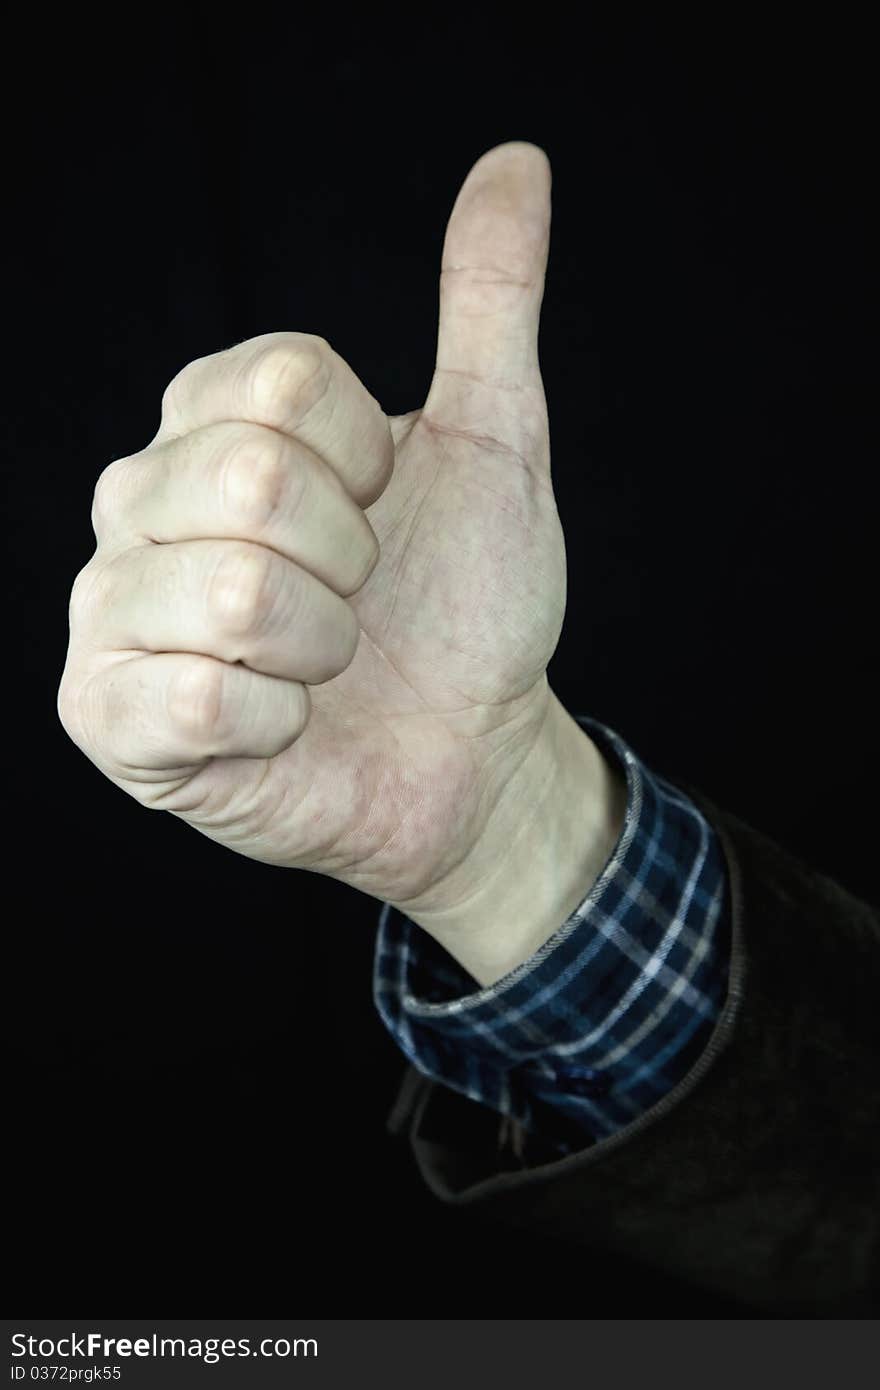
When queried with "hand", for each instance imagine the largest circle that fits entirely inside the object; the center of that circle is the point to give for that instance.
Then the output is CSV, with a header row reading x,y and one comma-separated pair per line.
x,y
319,635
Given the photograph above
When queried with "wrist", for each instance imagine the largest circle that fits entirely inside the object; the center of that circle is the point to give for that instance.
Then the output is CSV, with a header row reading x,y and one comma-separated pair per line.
x,y
548,840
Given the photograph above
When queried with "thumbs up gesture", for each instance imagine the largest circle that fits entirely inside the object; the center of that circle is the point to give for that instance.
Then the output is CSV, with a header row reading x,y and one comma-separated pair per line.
x,y
319,635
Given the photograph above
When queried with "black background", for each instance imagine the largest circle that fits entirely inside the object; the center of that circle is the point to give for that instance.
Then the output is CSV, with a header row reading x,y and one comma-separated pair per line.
x,y
199,1083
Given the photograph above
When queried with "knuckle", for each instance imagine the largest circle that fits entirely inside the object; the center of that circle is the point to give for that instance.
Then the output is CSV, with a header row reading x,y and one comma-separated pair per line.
x,y
79,707
172,394
241,594
67,706
255,477
107,498
196,699
169,406
288,379
169,397
87,596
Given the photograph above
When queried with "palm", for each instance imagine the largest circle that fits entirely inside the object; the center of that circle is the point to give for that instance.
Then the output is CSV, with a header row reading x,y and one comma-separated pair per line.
x,y
393,777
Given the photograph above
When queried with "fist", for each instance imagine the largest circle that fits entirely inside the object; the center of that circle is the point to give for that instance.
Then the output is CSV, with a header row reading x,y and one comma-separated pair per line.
x,y
320,635
226,551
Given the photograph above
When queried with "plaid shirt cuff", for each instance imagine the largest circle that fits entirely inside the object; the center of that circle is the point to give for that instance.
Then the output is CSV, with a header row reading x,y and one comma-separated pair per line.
x,y
611,1012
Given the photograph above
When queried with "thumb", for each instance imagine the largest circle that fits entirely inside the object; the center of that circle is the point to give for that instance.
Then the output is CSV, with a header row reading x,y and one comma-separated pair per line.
x,y
492,281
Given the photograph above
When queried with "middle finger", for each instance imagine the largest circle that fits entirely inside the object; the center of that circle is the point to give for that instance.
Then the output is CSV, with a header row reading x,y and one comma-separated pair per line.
x,y
246,482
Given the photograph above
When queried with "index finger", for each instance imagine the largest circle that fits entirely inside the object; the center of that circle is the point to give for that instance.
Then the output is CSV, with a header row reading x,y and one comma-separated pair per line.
x,y
294,383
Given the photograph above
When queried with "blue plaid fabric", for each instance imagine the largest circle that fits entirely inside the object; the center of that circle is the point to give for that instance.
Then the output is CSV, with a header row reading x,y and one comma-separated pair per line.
x,y
611,1012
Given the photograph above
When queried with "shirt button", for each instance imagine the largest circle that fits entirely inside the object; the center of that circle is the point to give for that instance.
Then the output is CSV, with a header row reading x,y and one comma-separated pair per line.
x,y
584,1081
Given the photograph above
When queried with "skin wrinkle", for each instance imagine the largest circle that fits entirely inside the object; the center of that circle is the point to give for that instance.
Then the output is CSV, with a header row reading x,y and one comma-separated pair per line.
x,y
500,279
514,389
387,659
537,805
465,709
412,525
484,441
398,829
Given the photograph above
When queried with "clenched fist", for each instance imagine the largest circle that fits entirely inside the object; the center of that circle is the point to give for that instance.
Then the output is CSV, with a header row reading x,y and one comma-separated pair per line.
x,y
317,634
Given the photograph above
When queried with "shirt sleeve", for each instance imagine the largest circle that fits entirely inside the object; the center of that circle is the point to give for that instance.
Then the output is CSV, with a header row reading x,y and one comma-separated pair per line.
x,y
611,1012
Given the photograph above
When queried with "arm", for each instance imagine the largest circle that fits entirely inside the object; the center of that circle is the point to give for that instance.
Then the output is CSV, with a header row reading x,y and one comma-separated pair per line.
x,y
756,1173
610,1011
537,858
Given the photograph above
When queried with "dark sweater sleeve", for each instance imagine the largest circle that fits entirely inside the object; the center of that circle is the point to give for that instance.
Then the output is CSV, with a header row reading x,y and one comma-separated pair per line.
x,y
758,1174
